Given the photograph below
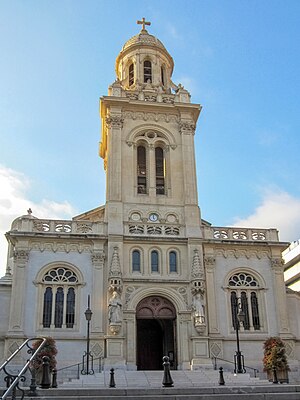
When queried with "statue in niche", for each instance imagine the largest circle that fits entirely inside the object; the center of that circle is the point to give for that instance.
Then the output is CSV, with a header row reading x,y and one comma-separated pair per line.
x,y
115,309
198,309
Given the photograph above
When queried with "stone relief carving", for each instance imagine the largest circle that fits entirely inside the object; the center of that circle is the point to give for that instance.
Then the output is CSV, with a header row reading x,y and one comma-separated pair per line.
x,y
63,247
21,256
98,258
114,292
277,263
198,291
114,121
115,313
187,127
147,116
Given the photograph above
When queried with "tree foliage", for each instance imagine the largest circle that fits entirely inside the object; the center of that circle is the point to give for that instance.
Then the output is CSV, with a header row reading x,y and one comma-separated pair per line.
x,y
274,354
49,349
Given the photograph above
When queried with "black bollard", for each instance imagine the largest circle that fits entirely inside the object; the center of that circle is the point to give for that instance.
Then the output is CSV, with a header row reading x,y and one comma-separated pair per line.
x,y
46,381
32,387
221,377
167,380
112,378
275,380
54,378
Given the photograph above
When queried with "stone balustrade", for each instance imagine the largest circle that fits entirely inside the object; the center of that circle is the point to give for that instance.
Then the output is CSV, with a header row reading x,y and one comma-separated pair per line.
x,y
35,225
241,234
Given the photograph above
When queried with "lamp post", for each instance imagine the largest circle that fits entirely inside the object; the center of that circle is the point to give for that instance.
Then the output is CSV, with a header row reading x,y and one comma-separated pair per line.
x,y
239,366
87,355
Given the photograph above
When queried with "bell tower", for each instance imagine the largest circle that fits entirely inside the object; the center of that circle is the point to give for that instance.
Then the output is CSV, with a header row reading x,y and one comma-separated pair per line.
x,y
147,143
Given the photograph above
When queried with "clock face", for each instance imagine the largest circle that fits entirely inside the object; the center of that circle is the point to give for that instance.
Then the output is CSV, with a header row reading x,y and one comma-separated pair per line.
x,y
153,217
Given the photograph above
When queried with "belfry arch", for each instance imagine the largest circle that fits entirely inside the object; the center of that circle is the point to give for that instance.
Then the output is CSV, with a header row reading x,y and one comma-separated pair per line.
x,y
155,333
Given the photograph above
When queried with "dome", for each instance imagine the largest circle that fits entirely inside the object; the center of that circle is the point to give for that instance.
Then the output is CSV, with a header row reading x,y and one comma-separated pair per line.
x,y
143,39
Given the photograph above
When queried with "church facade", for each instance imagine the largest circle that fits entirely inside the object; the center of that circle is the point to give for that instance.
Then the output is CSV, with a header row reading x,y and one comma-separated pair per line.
x,y
161,280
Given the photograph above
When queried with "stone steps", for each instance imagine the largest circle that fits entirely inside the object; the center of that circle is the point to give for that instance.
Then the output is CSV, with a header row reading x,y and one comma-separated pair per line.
x,y
269,392
153,379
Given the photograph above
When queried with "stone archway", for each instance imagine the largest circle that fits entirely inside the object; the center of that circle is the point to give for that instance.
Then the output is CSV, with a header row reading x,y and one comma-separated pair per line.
x,y
156,327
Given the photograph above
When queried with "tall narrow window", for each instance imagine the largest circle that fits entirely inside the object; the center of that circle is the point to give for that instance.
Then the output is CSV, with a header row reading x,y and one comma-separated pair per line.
x,y
136,261
233,302
70,312
47,311
141,170
244,307
154,261
162,71
131,74
59,307
147,71
160,170
173,261
255,312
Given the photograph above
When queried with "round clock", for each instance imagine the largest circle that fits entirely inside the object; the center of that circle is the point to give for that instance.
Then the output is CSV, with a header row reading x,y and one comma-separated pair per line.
x,y
153,217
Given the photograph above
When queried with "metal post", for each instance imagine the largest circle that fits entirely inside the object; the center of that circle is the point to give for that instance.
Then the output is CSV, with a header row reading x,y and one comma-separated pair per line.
x,y
167,379
54,378
112,383
46,383
32,387
221,377
275,380
238,357
87,355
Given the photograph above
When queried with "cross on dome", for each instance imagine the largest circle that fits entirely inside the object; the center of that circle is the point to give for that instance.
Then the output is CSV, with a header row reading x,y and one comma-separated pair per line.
x,y
143,22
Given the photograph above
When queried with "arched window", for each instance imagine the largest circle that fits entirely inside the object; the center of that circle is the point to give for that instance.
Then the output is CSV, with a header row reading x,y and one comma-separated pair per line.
x,y
131,74
147,71
154,261
141,170
160,170
173,261
136,261
244,297
59,298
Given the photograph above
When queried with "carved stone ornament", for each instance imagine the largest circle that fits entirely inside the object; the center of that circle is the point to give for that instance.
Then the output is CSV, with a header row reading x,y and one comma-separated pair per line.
x,y
197,267
277,263
187,127
21,256
114,121
115,267
115,328
98,258
209,261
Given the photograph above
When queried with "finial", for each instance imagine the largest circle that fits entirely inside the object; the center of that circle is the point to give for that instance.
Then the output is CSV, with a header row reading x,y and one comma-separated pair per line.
x,y
29,211
143,23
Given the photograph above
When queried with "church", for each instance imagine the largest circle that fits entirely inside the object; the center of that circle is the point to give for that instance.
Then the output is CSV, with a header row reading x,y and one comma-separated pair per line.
x,y
158,279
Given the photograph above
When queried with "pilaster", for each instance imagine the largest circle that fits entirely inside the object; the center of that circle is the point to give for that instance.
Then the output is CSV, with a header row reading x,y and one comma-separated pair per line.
x,y
16,320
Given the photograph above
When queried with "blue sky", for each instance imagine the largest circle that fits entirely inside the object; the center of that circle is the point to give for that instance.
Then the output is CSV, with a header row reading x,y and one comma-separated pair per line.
x,y
239,59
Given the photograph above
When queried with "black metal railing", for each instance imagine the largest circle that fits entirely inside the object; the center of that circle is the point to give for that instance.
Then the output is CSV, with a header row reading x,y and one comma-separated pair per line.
x,y
77,368
12,380
215,365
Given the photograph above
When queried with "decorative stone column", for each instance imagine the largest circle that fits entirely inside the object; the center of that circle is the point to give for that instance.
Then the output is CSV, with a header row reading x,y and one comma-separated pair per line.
x,y
114,124
18,298
280,295
98,259
210,266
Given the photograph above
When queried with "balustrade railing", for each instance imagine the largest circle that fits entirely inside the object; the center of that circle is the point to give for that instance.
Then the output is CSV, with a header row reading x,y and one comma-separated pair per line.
x,y
13,379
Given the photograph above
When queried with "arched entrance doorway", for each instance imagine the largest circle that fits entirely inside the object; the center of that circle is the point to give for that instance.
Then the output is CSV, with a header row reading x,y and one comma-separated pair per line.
x,y
156,333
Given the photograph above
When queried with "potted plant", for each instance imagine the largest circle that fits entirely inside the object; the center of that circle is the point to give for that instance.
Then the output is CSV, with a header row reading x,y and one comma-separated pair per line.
x,y
49,349
275,358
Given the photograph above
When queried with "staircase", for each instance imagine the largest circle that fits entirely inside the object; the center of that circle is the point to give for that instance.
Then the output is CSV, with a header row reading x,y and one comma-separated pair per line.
x,y
188,385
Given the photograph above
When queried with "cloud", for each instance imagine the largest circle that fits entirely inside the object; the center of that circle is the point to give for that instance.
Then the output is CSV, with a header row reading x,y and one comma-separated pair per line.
x,y
14,201
173,32
278,209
